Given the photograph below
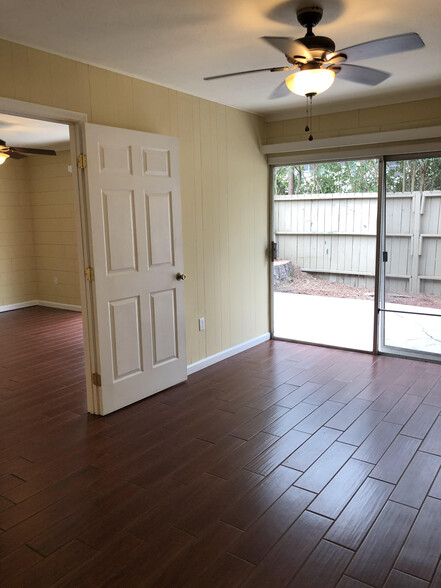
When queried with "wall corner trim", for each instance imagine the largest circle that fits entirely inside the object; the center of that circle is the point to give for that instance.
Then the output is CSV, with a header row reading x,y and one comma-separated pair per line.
x,y
203,363
17,305
60,305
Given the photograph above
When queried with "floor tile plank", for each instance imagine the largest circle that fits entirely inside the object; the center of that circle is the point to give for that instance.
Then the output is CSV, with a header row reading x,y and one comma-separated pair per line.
x,y
356,519
348,414
253,504
397,579
303,457
287,556
432,442
435,490
417,479
373,448
332,500
228,570
396,459
324,567
319,417
270,458
324,469
421,421
255,543
403,410
362,427
420,554
382,544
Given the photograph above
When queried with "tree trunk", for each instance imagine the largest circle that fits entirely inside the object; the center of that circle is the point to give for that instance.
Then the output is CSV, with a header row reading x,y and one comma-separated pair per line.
x,y
413,176
290,181
299,171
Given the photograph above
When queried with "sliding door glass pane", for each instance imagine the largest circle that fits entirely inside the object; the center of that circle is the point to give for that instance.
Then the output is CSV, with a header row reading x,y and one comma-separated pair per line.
x,y
325,218
412,281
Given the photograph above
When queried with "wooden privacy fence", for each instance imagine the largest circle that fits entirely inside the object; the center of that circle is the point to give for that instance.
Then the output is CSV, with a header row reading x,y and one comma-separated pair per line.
x,y
334,236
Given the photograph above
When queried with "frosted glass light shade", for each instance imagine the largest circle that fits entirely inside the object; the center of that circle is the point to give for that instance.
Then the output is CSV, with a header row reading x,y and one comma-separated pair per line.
x,y
310,81
3,157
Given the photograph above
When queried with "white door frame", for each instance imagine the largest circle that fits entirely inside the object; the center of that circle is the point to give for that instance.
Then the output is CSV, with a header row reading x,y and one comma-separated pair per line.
x,y
74,120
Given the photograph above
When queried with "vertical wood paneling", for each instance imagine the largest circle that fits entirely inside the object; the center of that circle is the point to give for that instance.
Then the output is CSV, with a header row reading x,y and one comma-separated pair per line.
x,y
199,235
188,205
18,276
223,183
6,69
52,197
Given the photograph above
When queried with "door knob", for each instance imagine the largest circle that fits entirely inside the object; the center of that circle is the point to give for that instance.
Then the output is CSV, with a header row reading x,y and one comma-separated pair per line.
x,y
180,276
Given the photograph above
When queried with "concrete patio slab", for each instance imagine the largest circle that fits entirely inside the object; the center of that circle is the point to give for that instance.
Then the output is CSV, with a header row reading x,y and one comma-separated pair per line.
x,y
344,322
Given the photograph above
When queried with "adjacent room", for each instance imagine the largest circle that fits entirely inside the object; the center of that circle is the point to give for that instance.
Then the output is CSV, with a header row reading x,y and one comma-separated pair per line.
x,y
220,294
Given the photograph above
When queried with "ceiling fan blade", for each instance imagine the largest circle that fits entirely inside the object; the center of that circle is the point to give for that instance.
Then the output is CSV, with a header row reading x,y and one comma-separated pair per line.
x,y
290,47
14,155
385,46
359,74
281,91
250,71
30,151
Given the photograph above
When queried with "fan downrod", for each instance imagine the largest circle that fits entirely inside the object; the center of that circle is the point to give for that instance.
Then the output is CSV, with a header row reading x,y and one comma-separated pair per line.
x,y
309,17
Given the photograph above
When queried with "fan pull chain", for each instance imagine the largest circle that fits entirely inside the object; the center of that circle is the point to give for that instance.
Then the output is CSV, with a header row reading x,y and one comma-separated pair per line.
x,y
310,138
307,115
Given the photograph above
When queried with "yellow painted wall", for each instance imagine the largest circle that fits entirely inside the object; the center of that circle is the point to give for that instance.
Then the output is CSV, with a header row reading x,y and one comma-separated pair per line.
x,y
18,276
52,197
223,181
393,117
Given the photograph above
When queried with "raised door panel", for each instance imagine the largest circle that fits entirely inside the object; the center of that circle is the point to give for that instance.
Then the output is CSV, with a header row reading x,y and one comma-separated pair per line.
x,y
156,162
160,229
120,230
164,327
115,159
126,339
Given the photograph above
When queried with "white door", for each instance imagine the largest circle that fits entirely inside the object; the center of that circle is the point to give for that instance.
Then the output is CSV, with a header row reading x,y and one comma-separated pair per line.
x,y
136,247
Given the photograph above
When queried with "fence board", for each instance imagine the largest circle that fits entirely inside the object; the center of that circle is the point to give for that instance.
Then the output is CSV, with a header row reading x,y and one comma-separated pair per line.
x,y
334,236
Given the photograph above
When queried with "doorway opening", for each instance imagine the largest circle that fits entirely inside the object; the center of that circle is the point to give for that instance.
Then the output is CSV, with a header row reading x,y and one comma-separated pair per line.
x,y
40,245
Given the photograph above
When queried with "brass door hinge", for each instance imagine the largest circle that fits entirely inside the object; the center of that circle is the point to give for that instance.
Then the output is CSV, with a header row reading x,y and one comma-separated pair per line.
x,y
82,161
89,272
96,379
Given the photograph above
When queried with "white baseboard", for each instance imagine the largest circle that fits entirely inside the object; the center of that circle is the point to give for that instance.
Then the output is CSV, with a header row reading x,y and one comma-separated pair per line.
x,y
8,307
203,363
73,307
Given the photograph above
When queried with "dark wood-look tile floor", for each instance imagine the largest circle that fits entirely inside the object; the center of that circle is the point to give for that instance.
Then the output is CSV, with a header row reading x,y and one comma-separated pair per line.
x,y
286,465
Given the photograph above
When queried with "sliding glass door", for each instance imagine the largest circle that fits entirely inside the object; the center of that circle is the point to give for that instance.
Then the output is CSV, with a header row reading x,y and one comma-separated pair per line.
x,y
410,296
325,238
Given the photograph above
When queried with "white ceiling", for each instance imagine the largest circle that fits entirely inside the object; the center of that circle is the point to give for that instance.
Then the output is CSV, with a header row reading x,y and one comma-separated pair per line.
x,y
176,43
27,132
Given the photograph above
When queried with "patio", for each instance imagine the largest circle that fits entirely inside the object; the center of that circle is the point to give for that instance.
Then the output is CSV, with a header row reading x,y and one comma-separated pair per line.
x,y
343,322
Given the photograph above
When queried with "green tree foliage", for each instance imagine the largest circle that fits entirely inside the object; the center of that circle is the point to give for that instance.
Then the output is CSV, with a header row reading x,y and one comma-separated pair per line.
x,y
414,174
357,176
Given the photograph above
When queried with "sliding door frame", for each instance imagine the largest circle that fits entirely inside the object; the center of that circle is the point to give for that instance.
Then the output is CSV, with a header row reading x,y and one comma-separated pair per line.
x,y
272,234
384,349
383,154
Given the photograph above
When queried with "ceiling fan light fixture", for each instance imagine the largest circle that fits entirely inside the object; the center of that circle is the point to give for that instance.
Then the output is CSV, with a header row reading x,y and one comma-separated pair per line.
x,y
312,79
3,157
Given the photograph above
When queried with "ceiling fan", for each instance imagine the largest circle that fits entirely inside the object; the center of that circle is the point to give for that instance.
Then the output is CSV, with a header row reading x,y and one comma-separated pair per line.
x,y
314,62
7,152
